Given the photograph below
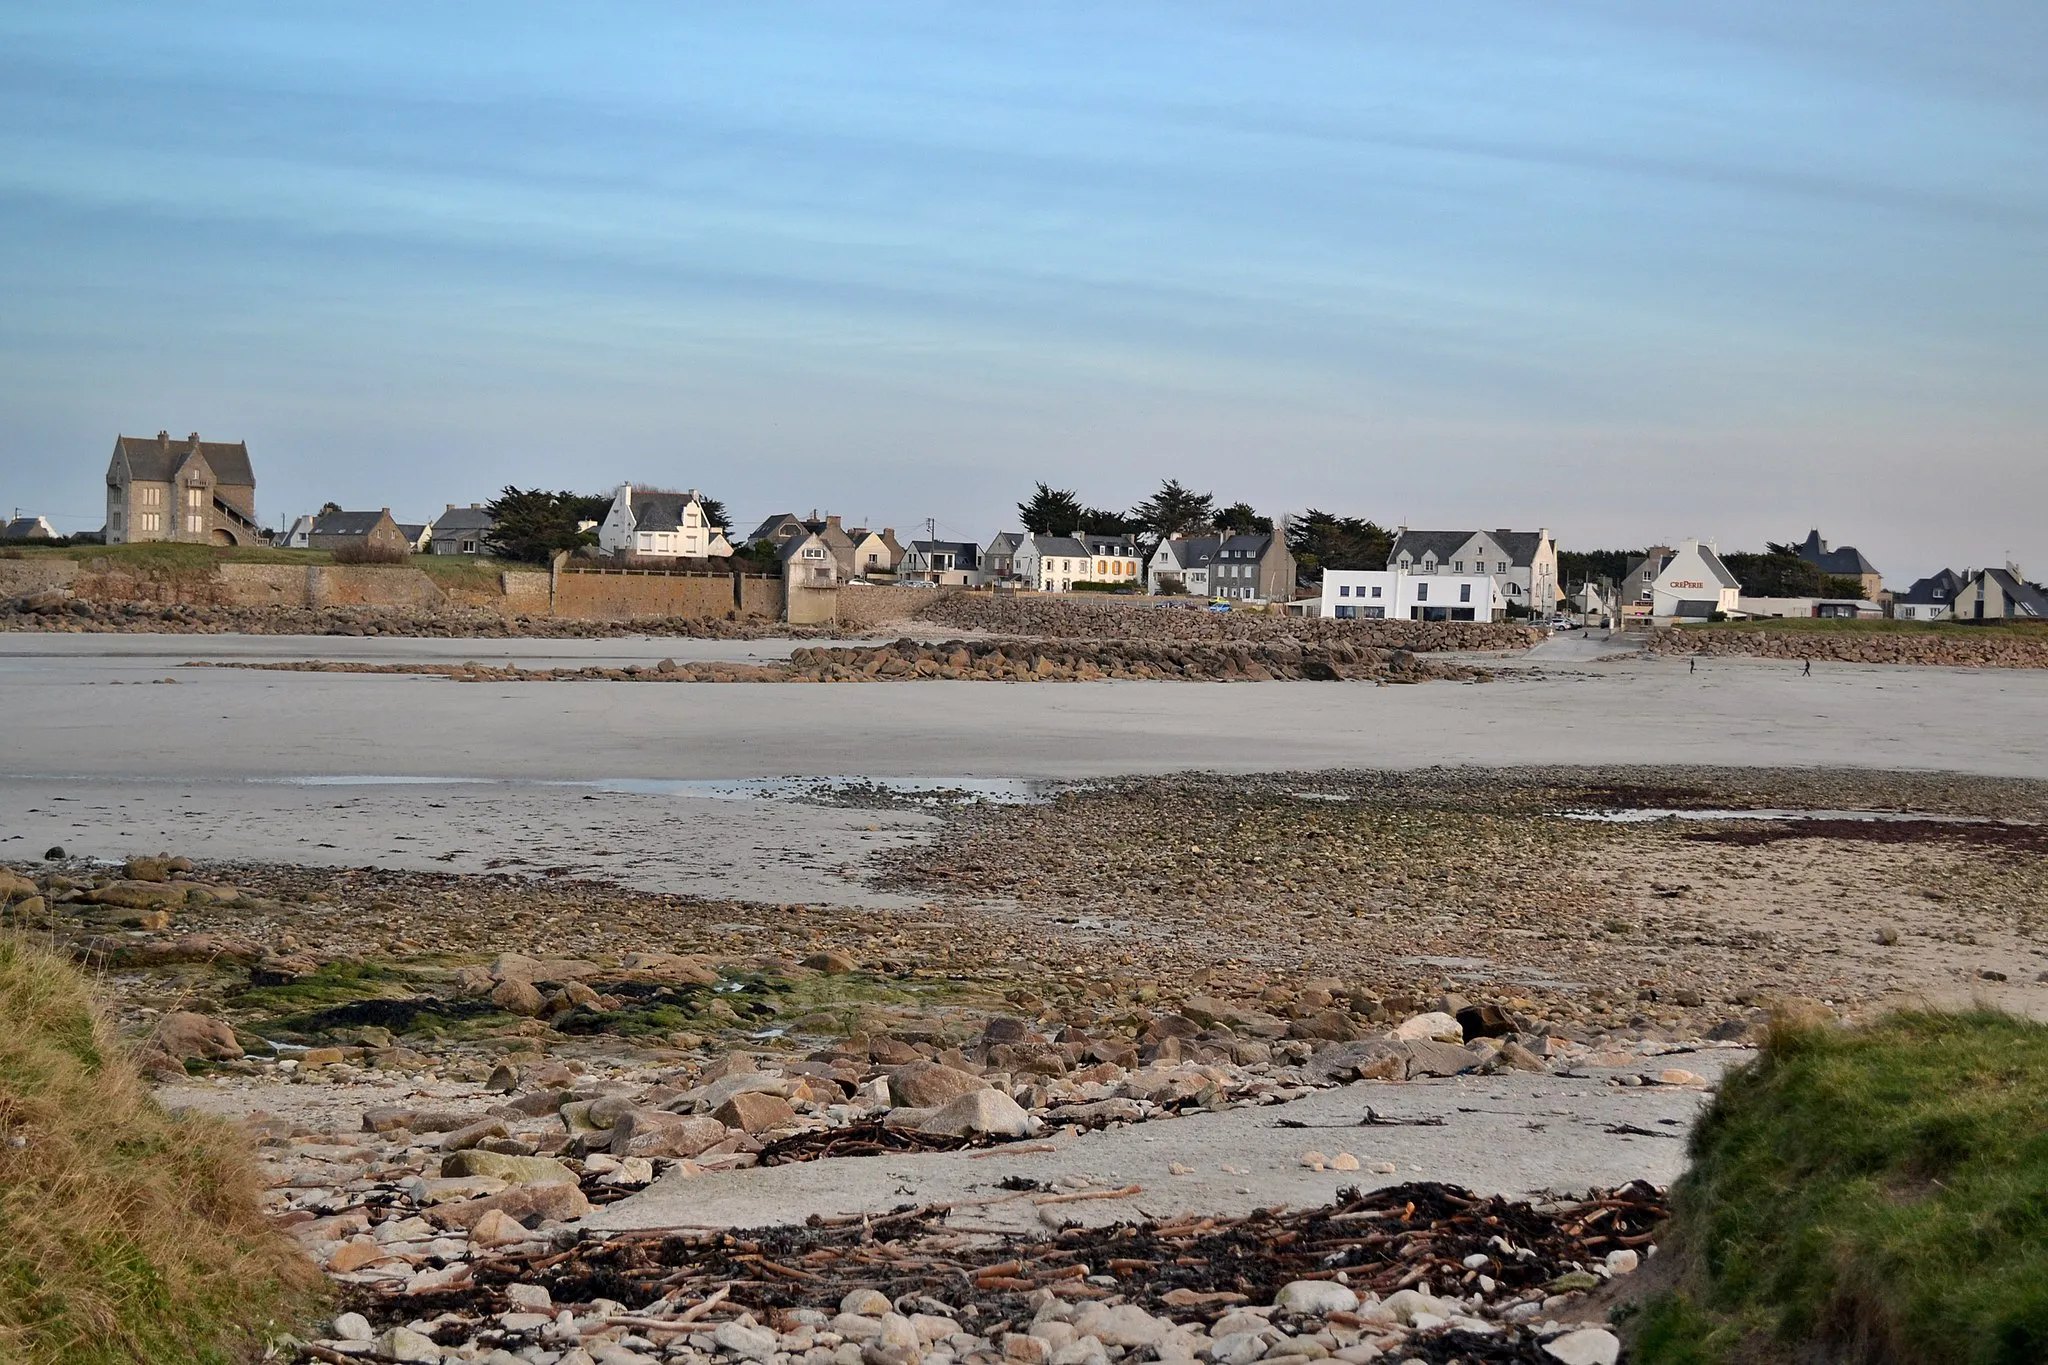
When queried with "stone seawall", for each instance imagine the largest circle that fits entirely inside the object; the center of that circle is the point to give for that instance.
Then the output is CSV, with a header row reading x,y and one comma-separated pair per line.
x,y
590,594
1075,618
1995,646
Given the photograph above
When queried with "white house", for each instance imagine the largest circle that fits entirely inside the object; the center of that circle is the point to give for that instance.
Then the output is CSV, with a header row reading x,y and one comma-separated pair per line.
x,y
1399,595
1930,599
1524,563
661,524
1693,585
808,562
1181,563
300,536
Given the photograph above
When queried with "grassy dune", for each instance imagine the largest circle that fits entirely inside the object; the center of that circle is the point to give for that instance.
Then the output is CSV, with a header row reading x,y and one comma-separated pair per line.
x,y
126,1234
1877,1195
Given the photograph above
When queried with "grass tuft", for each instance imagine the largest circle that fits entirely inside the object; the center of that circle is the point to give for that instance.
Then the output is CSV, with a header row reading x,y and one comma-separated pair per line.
x,y
126,1234
1875,1195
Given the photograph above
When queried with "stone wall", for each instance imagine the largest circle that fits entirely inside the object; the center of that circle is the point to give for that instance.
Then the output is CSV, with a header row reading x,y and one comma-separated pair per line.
x,y
623,595
34,573
1973,646
866,607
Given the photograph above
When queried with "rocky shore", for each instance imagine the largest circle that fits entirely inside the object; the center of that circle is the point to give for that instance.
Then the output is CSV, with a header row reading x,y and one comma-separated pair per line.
x,y
973,661
1995,646
1059,617
58,610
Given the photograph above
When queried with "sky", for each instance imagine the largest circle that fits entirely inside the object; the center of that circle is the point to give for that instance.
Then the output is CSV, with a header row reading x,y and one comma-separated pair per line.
x,y
1630,271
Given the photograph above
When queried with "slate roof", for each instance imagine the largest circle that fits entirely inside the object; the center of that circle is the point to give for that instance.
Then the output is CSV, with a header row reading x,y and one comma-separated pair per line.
x,y
1063,547
2027,595
346,523
1844,561
659,511
791,548
25,528
766,530
463,519
1253,546
1718,569
1006,543
1520,545
1194,551
155,459
966,554
412,532
1935,590
1108,545
1419,545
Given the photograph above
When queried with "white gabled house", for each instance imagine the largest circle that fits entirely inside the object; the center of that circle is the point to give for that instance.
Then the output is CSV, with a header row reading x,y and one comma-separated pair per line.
x,y
1181,564
1692,585
660,524
1524,563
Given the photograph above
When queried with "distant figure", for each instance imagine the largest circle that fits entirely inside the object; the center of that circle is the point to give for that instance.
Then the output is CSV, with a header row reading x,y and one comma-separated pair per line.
x,y
1808,670
1692,665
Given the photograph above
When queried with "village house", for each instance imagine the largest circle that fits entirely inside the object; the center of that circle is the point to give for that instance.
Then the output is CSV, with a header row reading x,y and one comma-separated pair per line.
x,y
1842,562
1116,559
948,563
375,531
876,554
808,562
778,530
1932,598
191,491
999,558
1253,568
1523,562
2001,595
1053,563
1402,595
28,528
655,523
1181,564
1692,584
461,530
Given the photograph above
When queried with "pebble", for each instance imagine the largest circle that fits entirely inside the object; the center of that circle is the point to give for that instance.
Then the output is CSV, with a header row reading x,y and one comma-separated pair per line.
x,y
1587,1346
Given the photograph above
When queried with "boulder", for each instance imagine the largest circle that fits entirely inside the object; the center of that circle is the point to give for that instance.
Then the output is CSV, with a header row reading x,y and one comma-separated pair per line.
x,y
555,1203
670,967
755,1112
831,962
513,1170
929,1085
1126,1325
14,886
184,1034
1587,1346
658,1133
496,1228
985,1110
516,996
1315,1296
147,869
1423,1027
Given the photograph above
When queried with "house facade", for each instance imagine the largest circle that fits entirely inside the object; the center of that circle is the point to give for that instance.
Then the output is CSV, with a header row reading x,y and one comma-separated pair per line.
x,y
1181,564
999,558
2001,595
778,530
1524,562
461,530
808,562
660,524
1693,584
190,491
1932,598
1114,559
1401,595
875,553
346,530
1842,562
1252,568
948,563
1053,563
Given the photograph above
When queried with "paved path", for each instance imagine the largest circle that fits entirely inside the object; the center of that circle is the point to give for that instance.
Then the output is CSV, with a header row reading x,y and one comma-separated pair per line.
x,y
1517,1135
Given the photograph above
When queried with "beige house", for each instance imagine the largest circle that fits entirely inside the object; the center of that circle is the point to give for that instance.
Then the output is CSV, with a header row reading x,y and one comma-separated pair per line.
x,y
349,530
193,491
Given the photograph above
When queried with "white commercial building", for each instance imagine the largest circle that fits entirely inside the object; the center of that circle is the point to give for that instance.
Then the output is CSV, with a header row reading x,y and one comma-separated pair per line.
x,y
1398,595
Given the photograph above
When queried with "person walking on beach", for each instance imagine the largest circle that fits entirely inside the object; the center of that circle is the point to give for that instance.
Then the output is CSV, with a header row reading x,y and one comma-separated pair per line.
x,y
1692,665
1809,669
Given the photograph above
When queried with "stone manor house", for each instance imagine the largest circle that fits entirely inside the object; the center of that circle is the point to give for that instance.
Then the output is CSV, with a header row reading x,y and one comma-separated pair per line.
x,y
193,491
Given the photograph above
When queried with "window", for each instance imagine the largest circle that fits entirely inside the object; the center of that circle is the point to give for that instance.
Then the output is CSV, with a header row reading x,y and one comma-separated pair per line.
x,y
193,522
1344,592
1464,592
1457,566
195,497
1501,567
1373,613
149,521
1375,592
1346,613
114,520
1422,592
151,497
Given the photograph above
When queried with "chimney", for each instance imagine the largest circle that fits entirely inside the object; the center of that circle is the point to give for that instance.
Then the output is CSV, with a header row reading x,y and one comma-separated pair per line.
x,y
476,507
163,438
193,438
450,508
832,521
386,511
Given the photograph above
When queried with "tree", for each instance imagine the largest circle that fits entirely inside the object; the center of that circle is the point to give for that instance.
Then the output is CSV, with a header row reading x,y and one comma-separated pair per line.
x,y
1322,540
1239,519
534,526
1576,567
1174,510
1780,572
328,509
1051,511
714,512
1097,522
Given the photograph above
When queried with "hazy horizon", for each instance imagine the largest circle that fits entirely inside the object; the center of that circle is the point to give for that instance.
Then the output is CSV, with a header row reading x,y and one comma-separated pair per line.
x,y
1632,274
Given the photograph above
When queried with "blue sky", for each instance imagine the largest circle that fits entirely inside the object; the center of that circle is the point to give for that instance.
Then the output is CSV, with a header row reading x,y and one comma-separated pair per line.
x,y
1630,271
